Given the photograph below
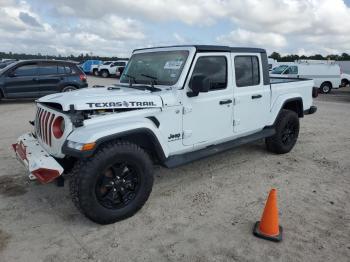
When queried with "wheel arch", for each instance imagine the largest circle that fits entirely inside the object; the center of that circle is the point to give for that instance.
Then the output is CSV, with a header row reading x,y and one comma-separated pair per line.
x,y
292,104
143,137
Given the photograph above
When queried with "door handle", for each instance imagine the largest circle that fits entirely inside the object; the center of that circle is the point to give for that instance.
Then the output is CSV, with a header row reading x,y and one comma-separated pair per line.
x,y
256,96
224,102
35,79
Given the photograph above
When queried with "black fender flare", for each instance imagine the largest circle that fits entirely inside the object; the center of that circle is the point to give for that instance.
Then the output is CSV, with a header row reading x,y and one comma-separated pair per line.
x,y
139,131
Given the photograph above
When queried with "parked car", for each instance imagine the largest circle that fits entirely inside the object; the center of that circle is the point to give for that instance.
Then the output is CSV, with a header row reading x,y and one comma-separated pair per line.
x,y
88,64
173,105
345,79
113,68
326,74
36,78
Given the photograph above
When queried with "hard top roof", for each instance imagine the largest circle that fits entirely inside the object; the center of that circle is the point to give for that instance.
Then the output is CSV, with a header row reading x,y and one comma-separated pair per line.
x,y
214,48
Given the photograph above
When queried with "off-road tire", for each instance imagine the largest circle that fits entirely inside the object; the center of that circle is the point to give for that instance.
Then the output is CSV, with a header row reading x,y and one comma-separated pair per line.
x,y
277,143
86,173
325,88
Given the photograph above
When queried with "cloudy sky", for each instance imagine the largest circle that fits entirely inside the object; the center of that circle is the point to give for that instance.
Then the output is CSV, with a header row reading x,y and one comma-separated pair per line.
x,y
115,27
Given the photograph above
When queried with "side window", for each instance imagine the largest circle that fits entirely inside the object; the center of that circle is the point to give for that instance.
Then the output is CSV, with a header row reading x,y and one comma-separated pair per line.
x,y
247,71
26,70
214,68
68,70
47,70
60,70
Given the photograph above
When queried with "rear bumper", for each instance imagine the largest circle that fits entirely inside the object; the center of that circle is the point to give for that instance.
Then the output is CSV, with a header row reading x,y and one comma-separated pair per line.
x,y
36,160
310,111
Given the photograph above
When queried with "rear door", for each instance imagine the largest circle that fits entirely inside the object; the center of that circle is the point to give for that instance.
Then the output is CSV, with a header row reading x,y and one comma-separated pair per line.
x,y
208,116
252,97
22,81
49,79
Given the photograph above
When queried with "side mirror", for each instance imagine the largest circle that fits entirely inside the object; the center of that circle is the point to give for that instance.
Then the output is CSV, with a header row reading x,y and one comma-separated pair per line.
x,y
198,83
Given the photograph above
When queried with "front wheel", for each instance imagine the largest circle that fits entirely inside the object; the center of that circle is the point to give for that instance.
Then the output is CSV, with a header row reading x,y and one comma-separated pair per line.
x,y
114,184
105,73
287,132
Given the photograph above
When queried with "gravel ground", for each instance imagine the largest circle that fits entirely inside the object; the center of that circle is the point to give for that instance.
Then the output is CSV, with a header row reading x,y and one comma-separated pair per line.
x,y
203,211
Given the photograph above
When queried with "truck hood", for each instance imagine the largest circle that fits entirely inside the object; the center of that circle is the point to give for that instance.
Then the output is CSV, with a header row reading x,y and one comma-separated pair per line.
x,y
113,97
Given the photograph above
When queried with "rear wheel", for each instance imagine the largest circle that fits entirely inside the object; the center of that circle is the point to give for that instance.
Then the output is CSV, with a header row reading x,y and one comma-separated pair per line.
x,y
114,184
287,131
69,89
105,73
326,88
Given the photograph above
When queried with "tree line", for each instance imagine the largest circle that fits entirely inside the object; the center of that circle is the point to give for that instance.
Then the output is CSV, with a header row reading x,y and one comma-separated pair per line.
x,y
292,58
83,57
78,58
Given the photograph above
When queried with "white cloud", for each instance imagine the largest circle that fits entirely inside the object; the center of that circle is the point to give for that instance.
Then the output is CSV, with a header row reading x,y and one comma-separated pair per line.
x,y
117,26
241,37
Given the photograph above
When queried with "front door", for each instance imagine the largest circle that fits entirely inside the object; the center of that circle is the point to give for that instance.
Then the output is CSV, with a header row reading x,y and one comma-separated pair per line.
x,y
252,97
22,82
208,117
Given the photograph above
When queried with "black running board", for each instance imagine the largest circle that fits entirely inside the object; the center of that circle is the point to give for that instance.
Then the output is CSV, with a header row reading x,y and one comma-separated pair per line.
x,y
178,160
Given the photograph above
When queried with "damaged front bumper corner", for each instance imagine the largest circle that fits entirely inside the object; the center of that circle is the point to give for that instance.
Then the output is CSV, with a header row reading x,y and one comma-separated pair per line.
x,y
36,160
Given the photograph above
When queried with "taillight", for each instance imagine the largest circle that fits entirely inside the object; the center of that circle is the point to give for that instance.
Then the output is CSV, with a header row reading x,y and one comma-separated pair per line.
x,y
82,77
58,127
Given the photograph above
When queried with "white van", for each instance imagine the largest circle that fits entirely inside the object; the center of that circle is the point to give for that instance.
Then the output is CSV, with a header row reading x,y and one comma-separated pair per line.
x,y
326,74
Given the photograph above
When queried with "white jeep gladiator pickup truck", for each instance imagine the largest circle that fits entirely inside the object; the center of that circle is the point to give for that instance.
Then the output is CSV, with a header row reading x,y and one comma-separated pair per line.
x,y
173,105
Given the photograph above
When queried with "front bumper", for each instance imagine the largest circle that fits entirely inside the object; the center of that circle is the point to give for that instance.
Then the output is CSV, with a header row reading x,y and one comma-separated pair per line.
x,y
36,160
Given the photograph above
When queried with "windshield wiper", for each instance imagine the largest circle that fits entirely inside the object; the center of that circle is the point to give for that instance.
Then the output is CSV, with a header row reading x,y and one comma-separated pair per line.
x,y
153,79
130,77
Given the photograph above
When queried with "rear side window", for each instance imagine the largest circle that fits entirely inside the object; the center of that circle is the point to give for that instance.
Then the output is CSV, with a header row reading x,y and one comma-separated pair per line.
x,y
47,70
60,70
68,70
26,70
247,71
213,67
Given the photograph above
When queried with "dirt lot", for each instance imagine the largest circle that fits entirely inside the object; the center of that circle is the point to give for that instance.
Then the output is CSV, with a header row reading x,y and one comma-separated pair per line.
x,y
203,211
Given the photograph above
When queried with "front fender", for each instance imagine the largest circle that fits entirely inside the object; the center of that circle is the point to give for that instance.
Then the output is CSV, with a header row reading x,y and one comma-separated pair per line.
x,y
100,133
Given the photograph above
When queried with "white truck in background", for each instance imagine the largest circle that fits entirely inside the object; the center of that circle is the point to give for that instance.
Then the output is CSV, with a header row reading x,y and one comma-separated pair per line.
x,y
326,74
115,68
94,68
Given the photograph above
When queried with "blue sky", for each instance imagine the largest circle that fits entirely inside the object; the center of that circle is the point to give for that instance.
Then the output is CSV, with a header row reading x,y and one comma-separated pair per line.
x,y
115,27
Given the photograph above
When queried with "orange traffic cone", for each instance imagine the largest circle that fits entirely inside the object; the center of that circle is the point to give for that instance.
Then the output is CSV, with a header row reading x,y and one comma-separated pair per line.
x,y
268,228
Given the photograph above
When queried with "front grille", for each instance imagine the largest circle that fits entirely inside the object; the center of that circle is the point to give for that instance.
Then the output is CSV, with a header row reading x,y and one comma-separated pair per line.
x,y
43,125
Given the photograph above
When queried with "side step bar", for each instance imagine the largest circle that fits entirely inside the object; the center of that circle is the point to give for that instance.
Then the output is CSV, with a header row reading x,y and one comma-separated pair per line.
x,y
178,160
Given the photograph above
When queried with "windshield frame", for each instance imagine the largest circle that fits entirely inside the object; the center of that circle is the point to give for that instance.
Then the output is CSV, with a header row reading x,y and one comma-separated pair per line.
x,y
182,76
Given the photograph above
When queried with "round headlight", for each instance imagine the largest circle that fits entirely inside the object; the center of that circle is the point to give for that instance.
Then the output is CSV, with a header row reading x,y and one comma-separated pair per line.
x,y
58,127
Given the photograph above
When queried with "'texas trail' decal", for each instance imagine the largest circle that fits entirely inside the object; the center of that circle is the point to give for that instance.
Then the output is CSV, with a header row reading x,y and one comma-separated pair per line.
x,y
122,104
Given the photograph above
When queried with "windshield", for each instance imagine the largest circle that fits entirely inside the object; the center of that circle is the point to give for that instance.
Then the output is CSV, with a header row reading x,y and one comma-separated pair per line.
x,y
163,68
279,69
107,63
